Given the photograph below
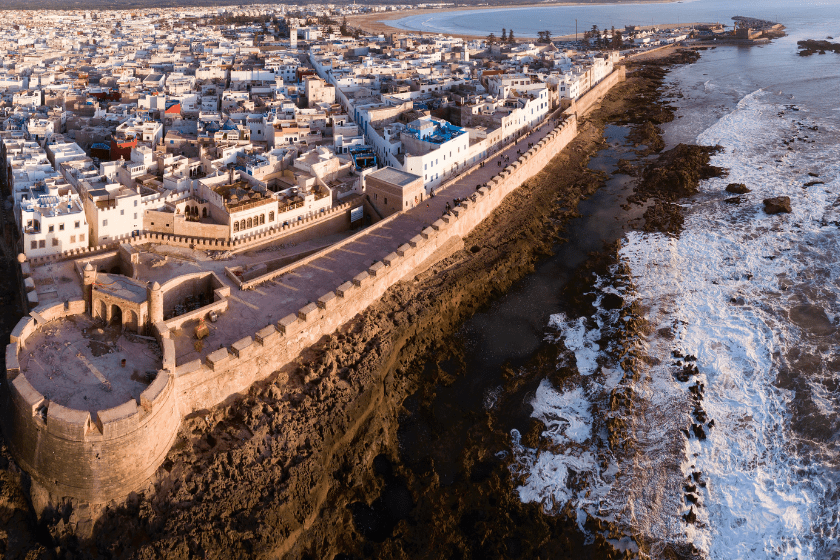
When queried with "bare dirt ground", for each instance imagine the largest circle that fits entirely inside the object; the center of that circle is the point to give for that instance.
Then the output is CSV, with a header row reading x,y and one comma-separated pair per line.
x,y
271,474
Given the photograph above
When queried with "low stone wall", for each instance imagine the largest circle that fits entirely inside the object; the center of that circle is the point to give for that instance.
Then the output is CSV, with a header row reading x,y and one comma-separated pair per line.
x,y
313,226
249,284
70,453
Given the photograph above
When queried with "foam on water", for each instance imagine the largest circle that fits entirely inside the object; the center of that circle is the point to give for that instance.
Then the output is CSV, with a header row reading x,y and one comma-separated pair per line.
x,y
724,291
764,498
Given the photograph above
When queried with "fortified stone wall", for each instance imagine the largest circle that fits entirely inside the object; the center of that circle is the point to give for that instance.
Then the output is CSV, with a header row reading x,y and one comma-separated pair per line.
x,y
105,456
94,458
586,101
201,384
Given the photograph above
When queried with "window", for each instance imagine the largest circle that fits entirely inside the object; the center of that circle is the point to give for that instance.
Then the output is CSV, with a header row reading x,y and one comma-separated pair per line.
x,y
42,243
135,215
242,224
250,223
135,204
72,239
235,227
81,237
60,227
104,223
386,200
271,216
262,219
122,212
33,245
77,225
55,242
52,229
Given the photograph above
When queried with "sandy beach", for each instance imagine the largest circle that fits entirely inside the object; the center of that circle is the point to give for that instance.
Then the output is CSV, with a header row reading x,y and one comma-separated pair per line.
x,y
378,23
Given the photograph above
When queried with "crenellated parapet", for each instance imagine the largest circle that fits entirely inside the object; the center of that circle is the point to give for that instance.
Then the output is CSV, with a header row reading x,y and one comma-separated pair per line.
x,y
94,457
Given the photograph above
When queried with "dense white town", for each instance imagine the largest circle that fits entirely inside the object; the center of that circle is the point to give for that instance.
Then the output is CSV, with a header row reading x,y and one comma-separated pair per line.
x,y
222,123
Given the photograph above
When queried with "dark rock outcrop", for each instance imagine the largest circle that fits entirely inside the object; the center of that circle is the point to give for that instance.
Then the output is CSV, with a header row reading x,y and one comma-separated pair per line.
x,y
737,188
777,205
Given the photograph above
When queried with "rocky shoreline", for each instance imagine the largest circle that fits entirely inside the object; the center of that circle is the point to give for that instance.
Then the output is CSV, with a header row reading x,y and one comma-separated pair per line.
x,y
306,465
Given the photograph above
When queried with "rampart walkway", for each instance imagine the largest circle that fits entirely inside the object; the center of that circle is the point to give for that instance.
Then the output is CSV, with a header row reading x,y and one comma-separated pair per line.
x,y
272,300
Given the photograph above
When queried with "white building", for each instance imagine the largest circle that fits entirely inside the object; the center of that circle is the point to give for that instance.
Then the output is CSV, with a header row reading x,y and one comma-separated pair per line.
x,y
52,220
434,149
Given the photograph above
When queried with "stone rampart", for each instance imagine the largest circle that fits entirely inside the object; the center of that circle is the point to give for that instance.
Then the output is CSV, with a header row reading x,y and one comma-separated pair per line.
x,y
103,456
94,458
587,101
202,384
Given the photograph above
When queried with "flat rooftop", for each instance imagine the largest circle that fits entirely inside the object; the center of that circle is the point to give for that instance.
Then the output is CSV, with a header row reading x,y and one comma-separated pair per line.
x,y
394,176
76,362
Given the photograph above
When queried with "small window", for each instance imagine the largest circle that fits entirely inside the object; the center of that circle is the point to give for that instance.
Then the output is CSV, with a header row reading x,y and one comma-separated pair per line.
x,y
55,242
60,227
135,203
77,225
122,212
135,215
51,229
72,239
153,223
386,200
42,243
33,245
104,223
81,237
271,216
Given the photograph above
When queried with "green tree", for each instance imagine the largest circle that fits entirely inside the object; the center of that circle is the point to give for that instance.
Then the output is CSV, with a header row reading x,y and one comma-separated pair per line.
x,y
510,37
617,40
491,39
504,35
544,36
344,29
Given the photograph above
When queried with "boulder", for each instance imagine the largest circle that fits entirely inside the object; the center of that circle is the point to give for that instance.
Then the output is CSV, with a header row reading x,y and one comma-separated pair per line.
x,y
737,188
777,205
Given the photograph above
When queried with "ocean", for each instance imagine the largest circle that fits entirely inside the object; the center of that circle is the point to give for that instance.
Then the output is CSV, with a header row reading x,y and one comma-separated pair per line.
x,y
738,457
560,20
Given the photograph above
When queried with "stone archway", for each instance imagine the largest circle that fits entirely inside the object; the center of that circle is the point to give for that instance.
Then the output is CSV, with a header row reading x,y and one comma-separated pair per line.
x,y
103,311
131,321
116,317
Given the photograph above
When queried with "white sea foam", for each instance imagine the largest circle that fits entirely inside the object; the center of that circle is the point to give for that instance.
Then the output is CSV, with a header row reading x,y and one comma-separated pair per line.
x,y
580,340
721,288
762,500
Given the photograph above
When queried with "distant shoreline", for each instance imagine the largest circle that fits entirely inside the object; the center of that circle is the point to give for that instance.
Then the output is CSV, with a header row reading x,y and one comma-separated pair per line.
x,y
378,23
